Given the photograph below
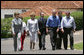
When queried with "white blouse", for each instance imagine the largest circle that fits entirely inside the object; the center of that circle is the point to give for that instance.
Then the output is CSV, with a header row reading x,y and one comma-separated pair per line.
x,y
32,25
24,26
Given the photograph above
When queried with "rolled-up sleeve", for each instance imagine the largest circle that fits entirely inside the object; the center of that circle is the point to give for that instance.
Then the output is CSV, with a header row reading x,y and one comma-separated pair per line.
x,y
47,23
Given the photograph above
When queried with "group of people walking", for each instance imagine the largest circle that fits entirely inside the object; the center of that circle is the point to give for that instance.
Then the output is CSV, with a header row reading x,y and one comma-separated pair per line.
x,y
39,28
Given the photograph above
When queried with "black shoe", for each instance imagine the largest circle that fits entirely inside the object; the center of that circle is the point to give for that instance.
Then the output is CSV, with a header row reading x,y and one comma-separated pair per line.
x,y
39,48
53,48
58,48
44,48
65,48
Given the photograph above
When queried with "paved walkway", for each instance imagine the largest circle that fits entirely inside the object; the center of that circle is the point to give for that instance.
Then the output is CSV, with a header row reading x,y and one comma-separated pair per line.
x,y
7,46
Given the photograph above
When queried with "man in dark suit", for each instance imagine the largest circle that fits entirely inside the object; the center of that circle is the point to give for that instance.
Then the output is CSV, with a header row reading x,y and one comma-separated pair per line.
x,y
60,34
42,28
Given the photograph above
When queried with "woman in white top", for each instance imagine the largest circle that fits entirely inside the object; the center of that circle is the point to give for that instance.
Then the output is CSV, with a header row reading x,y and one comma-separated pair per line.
x,y
33,30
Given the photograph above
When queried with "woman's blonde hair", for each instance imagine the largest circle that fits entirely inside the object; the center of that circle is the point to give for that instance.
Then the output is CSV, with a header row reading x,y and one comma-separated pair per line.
x,y
32,13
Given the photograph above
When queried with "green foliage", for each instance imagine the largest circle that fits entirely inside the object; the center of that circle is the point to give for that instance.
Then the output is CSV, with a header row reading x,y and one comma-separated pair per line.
x,y
78,17
6,23
6,27
37,17
79,46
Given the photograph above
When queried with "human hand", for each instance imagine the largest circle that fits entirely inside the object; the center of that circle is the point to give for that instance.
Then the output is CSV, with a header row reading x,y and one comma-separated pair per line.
x,y
57,30
39,32
14,34
62,30
74,30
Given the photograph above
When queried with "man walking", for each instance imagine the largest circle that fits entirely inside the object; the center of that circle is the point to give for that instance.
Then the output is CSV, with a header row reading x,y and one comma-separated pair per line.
x,y
52,26
60,34
68,26
42,28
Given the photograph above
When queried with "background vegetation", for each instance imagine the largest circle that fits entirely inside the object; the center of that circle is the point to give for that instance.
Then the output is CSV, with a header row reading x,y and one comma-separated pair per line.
x,y
6,23
79,46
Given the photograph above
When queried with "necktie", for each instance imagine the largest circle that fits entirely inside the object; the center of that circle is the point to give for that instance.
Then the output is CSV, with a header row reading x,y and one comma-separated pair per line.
x,y
54,19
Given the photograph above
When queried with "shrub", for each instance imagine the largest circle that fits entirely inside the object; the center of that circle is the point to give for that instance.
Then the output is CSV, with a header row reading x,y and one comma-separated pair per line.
x,y
6,27
26,18
78,17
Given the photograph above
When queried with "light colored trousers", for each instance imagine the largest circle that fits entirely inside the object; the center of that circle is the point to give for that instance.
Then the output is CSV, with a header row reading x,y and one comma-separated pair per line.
x,y
17,41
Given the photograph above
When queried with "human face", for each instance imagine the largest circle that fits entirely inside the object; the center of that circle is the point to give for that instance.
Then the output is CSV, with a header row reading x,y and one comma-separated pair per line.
x,y
17,16
60,14
68,14
32,16
42,15
54,13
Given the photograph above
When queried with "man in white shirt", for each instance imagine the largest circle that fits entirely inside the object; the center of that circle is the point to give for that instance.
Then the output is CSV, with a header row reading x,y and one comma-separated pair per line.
x,y
67,27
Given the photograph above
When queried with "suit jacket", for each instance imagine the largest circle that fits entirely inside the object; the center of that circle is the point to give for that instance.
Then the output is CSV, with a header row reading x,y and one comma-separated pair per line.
x,y
42,25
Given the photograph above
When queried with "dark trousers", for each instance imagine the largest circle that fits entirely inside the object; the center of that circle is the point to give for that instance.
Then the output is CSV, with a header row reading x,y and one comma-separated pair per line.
x,y
59,39
53,37
65,38
15,42
42,40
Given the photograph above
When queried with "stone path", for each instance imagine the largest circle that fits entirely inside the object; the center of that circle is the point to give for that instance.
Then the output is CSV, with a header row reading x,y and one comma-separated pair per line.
x,y
7,46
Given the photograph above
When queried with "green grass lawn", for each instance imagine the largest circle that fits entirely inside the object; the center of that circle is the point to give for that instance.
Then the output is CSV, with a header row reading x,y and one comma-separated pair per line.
x,y
79,46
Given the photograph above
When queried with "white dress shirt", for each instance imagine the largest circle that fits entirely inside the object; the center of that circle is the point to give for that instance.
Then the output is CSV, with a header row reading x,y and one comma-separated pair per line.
x,y
68,22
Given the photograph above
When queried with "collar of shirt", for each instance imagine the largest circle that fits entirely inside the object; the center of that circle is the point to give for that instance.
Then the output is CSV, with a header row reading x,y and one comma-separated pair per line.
x,y
16,18
32,19
53,16
68,18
